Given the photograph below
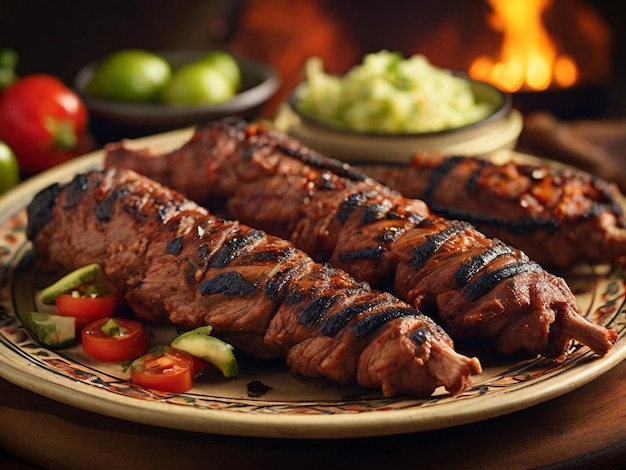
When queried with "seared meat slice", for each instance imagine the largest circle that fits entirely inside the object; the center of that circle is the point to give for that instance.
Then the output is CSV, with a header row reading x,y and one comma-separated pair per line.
x,y
479,288
558,217
174,261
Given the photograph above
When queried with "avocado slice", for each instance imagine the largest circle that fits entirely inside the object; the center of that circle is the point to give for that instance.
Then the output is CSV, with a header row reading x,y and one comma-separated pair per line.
x,y
71,281
199,343
49,329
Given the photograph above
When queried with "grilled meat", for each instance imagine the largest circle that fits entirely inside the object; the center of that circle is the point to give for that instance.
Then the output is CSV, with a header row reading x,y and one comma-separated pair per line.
x,y
558,217
174,261
475,286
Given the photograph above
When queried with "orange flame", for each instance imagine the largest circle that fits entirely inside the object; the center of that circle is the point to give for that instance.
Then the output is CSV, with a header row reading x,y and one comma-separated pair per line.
x,y
528,57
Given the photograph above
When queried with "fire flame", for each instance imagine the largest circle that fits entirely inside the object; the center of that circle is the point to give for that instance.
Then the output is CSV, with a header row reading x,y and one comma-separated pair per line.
x,y
528,58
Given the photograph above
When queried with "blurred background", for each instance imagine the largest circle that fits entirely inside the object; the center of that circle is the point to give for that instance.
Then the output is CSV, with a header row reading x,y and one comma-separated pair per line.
x,y
584,41
61,36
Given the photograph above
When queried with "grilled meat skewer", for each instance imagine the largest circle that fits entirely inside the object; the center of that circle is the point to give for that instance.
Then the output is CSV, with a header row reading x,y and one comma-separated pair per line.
x,y
477,288
174,261
558,217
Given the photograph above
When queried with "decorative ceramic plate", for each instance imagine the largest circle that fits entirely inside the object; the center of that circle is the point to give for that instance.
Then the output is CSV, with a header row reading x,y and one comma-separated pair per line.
x,y
265,401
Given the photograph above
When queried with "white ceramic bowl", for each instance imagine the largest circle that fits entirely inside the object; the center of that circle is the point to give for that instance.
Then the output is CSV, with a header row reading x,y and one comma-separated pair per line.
x,y
497,131
113,120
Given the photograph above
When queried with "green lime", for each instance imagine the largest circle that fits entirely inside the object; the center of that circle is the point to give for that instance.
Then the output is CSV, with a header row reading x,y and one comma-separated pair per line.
x,y
197,83
132,75
9,169
226,64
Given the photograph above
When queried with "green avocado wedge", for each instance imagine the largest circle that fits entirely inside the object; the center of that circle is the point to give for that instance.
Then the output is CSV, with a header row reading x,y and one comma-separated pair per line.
x,y
51,330
199,343
71,281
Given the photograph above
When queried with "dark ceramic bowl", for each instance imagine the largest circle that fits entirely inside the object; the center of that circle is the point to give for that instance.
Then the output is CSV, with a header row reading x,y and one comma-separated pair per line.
x,y
114,120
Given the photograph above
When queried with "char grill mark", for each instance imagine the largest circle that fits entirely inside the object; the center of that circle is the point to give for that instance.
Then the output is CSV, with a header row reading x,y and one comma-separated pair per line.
x,y
314,311
275,287
350,204
317,160
470,267
374,212
228,283
518,227
435,242
471,184
419,262
104,209
374,253
488,281
40,210
333,325
257,291
75,190
437,176
364,327
235,247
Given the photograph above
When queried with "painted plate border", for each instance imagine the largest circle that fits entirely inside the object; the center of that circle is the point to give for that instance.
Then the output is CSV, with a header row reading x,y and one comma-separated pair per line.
x,y
93,387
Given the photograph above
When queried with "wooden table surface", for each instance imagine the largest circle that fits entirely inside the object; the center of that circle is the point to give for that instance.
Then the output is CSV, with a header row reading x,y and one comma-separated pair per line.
x,y
585,428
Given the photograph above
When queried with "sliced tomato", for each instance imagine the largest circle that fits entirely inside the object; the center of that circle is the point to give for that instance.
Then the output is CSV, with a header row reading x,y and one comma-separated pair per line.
x,y
127,340
165,369
198,365
85,309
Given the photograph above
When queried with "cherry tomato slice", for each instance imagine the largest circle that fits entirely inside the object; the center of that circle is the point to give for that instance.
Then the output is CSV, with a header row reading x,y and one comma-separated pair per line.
x,y
198,365
85,309
130,343
165,369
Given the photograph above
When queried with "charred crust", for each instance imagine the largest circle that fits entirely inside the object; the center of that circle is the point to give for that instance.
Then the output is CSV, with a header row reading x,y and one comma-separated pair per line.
x,y
488,281
472,182
369,324
229,283
75,190
350,204
174,246
273,256
438,175
315,310
317,160
275,288
203,252
294,297
374,254
436,241
372,213
104,210
470,267
389,234
521,226
339,320
40,209
234,247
